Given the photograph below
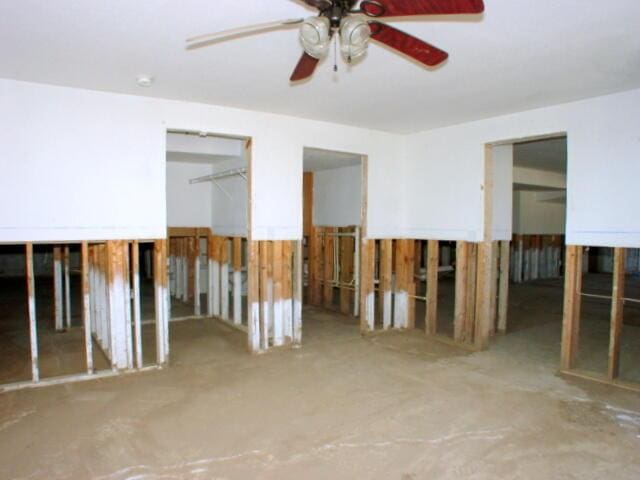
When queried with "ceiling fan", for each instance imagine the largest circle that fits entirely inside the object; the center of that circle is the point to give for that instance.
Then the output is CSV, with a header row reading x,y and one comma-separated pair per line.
x,y
356,27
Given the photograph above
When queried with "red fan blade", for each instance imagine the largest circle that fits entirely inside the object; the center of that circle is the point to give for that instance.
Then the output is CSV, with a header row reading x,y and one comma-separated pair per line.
x,y
402,8
305,68
405,43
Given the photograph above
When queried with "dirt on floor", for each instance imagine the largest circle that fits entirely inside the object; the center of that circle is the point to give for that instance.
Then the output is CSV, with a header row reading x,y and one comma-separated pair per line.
x,y
387,406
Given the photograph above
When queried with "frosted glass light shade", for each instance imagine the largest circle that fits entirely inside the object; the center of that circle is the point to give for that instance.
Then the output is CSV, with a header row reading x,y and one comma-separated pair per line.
x,y
354,37
315,36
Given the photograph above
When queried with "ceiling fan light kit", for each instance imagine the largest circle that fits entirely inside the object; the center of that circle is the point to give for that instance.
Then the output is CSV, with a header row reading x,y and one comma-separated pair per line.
x,y
356,26
354,37
315,36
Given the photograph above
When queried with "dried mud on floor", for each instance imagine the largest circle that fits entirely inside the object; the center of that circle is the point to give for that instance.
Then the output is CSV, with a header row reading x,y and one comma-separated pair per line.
x,y
385,406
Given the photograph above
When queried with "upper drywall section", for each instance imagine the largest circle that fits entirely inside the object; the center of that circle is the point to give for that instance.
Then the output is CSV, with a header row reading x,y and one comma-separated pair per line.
x,y
95,168
443,177
337,197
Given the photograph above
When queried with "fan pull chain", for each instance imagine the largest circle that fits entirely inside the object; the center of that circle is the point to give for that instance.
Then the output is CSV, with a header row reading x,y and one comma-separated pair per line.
x,y
335,55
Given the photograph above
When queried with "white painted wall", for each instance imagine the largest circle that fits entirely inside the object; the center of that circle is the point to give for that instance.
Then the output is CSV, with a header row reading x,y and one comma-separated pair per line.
x,y
230,212
443,175
188,205
337,197
502,214
81,165
89,165
536,214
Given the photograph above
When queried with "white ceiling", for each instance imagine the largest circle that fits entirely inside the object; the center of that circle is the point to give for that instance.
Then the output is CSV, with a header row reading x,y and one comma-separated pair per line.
x,y
549,155
316,160
520,55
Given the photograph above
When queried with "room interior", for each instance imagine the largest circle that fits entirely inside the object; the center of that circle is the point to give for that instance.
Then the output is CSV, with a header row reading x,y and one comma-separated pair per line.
x,y
376,239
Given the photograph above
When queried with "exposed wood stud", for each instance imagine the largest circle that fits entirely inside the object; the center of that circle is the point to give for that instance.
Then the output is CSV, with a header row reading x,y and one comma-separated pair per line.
x,y
346,271
297,293
328,268
493,288
617,312
58,289
433,257
265,305
460,333
118,304
224,278
31,302
411,283
367,294
270,289
287,289
253,296
196,276
483,295
161,302
137,313
316,267
571,316
215,277
582,253
278,310
67,286
470,323
126,275
86,305
307,189
404,280
237,280
503,290
210,273
386,275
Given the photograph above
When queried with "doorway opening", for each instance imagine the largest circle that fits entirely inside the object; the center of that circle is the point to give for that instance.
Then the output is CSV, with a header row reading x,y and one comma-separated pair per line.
x,y
207,217
334,211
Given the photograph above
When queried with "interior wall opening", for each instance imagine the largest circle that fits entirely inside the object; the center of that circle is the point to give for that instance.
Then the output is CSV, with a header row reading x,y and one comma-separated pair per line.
x,y
207,218
539,195
334,200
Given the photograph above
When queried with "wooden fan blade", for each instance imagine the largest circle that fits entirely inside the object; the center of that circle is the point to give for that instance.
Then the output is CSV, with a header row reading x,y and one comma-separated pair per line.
x,y
234,32
305,68
407,44
402,8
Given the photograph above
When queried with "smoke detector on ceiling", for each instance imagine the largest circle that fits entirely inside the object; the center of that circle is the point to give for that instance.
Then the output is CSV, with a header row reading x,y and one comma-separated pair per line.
x,y
144,81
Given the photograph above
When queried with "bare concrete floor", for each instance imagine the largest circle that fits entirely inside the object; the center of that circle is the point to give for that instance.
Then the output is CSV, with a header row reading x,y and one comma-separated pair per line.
x,y
389,406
